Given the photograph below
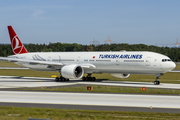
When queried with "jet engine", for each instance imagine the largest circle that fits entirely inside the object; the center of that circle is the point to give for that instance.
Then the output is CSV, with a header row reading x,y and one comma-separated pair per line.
x,y
72,72
117,75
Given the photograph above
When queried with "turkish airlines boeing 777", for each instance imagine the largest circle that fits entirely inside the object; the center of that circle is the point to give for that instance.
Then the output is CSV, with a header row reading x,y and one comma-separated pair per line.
x,y
73,65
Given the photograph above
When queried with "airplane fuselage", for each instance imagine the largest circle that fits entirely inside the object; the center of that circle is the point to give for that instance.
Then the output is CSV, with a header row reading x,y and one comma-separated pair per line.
x,y
126,62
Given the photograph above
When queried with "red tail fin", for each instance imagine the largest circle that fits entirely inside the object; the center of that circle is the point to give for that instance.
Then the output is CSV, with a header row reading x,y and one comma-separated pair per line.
x,y
16,44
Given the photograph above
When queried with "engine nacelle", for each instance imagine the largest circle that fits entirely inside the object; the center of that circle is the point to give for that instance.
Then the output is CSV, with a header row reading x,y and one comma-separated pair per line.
x,y
72,72
117,75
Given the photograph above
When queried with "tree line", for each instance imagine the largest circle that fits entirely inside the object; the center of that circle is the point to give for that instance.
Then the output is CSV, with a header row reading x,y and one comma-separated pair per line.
x,y
173,53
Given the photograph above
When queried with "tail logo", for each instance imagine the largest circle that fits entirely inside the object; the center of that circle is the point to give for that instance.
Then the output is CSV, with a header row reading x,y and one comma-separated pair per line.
x,y
16,45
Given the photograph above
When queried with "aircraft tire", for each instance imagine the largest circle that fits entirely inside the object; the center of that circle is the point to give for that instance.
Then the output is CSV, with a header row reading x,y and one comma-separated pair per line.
x,y
156,82
66,80
63,79
84,79
57,79
88,78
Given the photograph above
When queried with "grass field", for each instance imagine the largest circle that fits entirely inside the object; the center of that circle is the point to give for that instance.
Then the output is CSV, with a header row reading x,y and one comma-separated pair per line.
x,y
17,113
106,89
8,64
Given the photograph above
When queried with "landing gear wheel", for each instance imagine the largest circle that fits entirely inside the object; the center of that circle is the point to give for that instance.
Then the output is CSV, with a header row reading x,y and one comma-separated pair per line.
x,y
89,78
84,78
93,78
66,80
57,79
61,79
156,82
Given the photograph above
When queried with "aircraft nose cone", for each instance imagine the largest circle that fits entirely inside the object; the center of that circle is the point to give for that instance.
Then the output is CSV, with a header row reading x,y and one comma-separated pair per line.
x,y
172,65
168,66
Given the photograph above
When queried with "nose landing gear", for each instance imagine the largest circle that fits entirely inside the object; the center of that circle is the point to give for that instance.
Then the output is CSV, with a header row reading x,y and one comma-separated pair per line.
x,y
157,82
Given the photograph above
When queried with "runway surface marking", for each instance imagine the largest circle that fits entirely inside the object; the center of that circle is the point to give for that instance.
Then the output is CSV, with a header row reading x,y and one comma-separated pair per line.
x,y
130,100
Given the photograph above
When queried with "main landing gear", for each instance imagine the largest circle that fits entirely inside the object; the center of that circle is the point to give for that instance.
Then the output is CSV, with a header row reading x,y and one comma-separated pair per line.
x,y
89,78
157,82
61,79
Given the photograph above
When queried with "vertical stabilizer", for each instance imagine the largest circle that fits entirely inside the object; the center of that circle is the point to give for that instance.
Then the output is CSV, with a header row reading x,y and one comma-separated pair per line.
x,y
16,44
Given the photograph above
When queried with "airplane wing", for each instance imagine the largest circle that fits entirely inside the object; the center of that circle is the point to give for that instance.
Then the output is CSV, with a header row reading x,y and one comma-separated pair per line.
x,y
15,60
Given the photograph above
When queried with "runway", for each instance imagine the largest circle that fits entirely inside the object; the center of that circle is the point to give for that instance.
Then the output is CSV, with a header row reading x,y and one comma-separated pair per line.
x,y
19,82
93,99
86,101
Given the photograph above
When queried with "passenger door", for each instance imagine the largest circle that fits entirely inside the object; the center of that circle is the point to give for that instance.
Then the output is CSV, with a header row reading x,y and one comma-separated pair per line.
x,y
148,61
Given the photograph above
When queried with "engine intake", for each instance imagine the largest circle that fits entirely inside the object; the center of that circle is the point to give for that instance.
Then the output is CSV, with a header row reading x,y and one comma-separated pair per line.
x,y
72,72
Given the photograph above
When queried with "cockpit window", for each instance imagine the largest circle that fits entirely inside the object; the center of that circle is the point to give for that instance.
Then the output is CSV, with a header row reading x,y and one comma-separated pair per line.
x,y
164,60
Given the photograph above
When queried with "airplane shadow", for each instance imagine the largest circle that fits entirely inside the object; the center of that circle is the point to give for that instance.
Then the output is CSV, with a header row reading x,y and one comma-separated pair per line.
x,y
36,79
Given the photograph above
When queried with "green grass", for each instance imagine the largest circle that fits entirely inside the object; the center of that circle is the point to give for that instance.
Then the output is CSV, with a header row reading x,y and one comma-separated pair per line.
x,y
108,89
177,66
6,113
27,73
8,64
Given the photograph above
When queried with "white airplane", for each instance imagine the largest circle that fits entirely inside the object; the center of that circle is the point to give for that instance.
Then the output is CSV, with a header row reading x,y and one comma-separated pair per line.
x,y
73,65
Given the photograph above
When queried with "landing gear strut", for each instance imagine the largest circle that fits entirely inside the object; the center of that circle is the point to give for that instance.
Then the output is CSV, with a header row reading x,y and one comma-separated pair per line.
x,y
61,79
89,78
157,82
